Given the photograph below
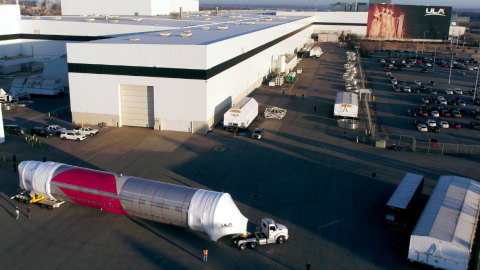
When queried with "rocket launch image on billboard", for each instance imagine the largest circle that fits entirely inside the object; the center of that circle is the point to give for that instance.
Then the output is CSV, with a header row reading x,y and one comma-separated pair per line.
x,y
390,22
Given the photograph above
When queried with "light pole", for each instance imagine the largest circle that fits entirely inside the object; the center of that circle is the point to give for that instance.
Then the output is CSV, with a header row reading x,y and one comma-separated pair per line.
x,y
476,84
434,57
416,52
423,45
451,64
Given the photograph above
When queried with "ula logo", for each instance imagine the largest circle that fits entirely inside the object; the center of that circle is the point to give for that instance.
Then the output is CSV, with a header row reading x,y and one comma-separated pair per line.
x,y
227,225
431,11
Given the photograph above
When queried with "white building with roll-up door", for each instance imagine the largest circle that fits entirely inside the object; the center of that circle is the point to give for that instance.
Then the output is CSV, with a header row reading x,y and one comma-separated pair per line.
x,y
443,236
170,72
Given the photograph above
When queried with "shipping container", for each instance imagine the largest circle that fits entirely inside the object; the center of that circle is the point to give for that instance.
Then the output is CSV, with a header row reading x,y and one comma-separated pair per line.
x,y
346,105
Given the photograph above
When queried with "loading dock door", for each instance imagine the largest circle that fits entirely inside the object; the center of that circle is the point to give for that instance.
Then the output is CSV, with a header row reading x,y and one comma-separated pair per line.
x,y
137,105
330,37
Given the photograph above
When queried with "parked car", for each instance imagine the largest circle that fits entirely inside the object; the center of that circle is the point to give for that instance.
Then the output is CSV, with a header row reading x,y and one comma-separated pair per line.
x,y
424,113
423,88
431,123
448,91
412,113
396,88
14,129
56,129
475,125
463,111
417,122
431,82
461,103
434,142
444,124
456,113
461,72
445,113
434,114
393,81
422,127
434,129
424,70
455,125
475,114
433,91
425,100
72,135
417,82
402,82
407,89
258,133
458,91
42,132
86,131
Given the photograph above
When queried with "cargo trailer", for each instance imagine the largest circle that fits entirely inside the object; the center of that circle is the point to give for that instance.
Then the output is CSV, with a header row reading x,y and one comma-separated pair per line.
x,y
398,208
242,114
346,105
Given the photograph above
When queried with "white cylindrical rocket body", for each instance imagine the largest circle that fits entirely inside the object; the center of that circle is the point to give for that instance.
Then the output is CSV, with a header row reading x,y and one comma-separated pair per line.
x,y
213,213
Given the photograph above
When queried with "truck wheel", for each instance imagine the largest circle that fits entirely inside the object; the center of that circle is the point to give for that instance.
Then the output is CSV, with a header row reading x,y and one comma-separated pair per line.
x,y
91,134
253,245
78,140
42,206
64,138
49,207
281,239
242,246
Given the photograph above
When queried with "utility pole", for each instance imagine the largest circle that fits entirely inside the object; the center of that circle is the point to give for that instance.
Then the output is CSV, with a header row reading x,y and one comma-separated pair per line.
x,y
416,52
434,57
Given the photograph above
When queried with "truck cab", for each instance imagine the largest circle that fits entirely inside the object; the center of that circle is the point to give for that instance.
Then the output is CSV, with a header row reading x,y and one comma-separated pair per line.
x,y
270,233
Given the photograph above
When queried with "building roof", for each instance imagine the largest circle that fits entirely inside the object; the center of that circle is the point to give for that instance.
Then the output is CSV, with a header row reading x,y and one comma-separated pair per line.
x,y
405,191
451,212
346,98
237,23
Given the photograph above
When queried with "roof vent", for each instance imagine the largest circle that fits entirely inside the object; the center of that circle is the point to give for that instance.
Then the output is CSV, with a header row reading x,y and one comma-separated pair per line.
x,y
36,18
268,20
223,28
187,31
237,23
89,20
137,20
134,39
282,17
250,23
114,17
57,18
207,19
186,34
114,21
205,15
156,24
165,34
206,28
195,15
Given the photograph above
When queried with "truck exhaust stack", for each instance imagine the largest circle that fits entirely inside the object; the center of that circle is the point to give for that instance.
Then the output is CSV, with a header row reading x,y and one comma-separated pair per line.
x,y
210,212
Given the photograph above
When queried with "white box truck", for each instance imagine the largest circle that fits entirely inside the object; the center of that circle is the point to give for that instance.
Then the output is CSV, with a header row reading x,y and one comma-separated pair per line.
x,y
242,114
346,105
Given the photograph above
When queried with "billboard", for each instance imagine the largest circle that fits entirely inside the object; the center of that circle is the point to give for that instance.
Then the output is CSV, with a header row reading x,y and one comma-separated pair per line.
x,y
408,22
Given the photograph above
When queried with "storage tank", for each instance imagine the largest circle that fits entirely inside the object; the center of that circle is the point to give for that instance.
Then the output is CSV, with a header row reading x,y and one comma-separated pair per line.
x,y
282,63
213,213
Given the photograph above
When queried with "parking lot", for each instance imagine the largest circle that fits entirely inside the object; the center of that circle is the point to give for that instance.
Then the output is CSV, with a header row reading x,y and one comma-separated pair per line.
x,y
392,107
304,174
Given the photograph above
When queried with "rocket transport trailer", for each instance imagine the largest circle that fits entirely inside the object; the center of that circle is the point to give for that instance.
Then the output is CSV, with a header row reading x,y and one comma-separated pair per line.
x,y
399,207
346,105
210,212
242,114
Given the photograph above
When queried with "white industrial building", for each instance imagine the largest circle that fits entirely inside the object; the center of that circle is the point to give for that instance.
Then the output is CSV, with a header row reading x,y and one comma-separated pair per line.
x,y
127,7
443,236
167,72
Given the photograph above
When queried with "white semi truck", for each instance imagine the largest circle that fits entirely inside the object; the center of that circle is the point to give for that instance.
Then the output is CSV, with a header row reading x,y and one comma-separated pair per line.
x,y
242,114
270,233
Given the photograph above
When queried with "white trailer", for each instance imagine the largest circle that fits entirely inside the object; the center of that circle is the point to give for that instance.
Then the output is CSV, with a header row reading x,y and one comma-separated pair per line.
x,y
316,52
242,114
346,105
37,86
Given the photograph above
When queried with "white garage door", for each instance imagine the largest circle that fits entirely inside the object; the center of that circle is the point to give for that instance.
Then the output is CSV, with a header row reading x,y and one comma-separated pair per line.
x,y
137,105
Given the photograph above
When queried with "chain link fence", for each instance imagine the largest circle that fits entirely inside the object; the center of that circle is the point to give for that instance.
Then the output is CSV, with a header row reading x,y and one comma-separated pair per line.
x,y
408,142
